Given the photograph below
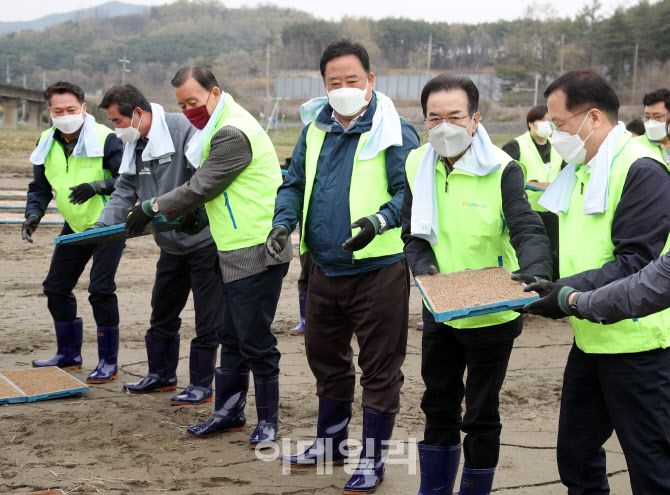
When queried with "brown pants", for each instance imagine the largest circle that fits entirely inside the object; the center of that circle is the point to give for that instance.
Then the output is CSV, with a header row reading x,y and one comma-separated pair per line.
x,y
375,307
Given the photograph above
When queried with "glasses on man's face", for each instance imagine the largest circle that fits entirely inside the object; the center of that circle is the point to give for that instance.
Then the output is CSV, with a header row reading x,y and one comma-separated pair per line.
x,y
452,119
554,124
657,117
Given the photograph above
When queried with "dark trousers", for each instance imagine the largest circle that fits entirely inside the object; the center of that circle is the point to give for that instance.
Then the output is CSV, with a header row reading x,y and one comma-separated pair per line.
x,y
176,276
249,309
67,265
629,393
446,353
550,221
305,270
375,307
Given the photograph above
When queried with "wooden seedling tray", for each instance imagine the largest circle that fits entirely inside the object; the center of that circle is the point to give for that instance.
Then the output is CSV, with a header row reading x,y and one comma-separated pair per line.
x,y
115,233
32,384
457,295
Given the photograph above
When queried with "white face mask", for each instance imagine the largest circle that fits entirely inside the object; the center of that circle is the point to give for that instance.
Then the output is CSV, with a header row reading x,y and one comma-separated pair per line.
x,y
129,134
656,131
68,124
544,129
450,140
348,101
570,146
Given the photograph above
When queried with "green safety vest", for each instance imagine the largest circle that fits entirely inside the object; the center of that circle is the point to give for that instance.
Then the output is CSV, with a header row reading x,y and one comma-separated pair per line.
x,y
472,232
535,167
241,216
586,244
658,149
368,191
64,173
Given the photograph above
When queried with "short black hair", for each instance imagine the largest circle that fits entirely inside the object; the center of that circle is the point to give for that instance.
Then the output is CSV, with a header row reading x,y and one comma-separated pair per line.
x,y
344,47
636,126
200,73
127,98
586,88
662,94
536,113
62,87
446,82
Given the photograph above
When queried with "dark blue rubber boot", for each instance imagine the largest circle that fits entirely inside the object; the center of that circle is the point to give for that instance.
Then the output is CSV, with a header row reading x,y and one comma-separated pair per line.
x,y
267,408
439,467
163,360
377,430
230,397
108,351
69,335
477,481
201,370
300,329
332,432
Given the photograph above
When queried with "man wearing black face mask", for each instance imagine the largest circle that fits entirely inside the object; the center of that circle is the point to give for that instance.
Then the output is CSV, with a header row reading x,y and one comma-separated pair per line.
x,y
237,178
79,159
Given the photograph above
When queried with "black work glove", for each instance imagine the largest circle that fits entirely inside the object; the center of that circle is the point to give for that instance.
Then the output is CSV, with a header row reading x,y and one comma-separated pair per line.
x,y
369,228
83,192
525,279
276,241
29,226
193,222
553,302
139,217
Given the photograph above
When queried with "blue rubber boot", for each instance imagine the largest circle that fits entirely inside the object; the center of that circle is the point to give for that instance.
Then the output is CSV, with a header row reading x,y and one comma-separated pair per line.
x,y
108,351
163,360
69,335
476,481
201,370
230,397
267,408
377,430
332,432
439,467
300,329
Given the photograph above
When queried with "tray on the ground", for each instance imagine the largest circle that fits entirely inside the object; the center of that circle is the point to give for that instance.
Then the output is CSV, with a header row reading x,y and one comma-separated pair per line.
x,y
115,233
32,384
13,205
538,186
16,218
47,492
457,295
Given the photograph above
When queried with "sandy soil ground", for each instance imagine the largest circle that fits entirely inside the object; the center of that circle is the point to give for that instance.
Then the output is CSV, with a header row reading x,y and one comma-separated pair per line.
x,y
108,442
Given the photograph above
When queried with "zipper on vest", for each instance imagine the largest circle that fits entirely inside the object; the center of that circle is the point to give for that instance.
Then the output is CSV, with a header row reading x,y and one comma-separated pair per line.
x,y
582,190
446,185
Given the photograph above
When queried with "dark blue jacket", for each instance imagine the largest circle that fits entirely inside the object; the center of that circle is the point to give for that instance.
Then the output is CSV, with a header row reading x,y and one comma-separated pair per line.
x,y
328,220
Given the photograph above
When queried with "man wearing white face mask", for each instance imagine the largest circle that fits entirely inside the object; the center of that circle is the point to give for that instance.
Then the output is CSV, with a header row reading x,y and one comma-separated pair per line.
x,y
656,114
79,159
346,180
154,163
613,201
465,208
542,163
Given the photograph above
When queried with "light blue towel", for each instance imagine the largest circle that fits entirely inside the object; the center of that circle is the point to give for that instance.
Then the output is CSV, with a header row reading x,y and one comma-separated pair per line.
x,y
159,145
386,129
196,144
559,193
88,144
480,159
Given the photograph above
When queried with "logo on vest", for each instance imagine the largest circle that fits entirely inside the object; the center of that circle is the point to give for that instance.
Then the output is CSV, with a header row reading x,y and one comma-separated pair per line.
x,y
473,205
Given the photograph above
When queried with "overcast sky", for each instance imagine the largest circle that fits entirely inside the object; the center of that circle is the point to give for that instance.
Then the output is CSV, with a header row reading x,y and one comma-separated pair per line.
x,y
429,10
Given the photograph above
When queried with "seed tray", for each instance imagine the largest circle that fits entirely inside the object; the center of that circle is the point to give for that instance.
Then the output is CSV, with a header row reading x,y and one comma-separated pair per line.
x,y
115,233
537,186
47,492
489,298
33,384
16,218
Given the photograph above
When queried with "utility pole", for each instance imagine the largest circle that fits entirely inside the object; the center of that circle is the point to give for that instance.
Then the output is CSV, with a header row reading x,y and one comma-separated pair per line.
x,y
9,79
562,50
124,61
44,80
537,80
23,103
267,79
634,72
430,54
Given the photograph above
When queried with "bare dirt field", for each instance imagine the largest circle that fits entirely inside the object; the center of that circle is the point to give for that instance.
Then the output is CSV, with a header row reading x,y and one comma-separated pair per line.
x,y
108,442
